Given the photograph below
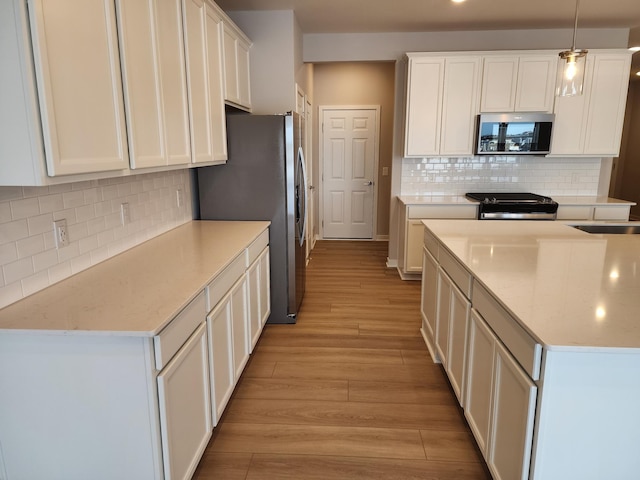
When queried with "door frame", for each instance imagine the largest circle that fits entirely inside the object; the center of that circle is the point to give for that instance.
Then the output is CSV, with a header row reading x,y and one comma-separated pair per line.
x,y
376,154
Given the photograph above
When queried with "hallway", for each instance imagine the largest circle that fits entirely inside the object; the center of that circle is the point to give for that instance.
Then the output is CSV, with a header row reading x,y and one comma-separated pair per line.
x,y
349,392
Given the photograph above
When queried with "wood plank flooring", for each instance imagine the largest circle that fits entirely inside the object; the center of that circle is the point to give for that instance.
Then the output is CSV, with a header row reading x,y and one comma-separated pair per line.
x,y
349,392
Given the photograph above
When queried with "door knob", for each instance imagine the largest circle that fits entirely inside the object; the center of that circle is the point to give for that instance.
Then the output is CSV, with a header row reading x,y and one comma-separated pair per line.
x,y
368,184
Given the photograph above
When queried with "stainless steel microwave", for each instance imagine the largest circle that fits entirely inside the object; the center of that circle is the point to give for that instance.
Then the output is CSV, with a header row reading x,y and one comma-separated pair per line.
x,y
514,133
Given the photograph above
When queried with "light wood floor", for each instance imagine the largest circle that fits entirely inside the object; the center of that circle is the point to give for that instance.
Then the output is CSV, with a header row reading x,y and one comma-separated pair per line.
x,y
347,393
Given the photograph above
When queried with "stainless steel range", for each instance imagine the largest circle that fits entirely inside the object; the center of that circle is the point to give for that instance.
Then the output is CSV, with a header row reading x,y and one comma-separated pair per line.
x,y
514,206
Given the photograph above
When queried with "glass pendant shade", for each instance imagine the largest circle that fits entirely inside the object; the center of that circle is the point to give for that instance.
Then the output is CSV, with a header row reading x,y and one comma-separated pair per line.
x,y
571,67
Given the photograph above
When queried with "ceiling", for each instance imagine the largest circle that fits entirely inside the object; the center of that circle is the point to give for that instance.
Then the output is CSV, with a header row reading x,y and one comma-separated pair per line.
x,y
358,16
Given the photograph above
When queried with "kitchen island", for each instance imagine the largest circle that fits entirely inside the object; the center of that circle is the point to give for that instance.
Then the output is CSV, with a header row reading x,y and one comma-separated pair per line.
x,y
123,370
537,327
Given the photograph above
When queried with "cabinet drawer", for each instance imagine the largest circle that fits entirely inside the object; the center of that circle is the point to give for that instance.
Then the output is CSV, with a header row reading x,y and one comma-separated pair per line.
x,y
460,276
430,243
174,335
220,285
257,246
611,213
574,212
442,211
520,344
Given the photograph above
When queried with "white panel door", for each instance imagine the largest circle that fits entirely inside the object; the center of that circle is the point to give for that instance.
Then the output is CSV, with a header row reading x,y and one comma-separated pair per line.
x,y
79,85
349,161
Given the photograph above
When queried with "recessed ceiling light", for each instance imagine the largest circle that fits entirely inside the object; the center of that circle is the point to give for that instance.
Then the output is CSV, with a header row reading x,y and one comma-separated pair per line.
x,y
638,73
635,49
457,1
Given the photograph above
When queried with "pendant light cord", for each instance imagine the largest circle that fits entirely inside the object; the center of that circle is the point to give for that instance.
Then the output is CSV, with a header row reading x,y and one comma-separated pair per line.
x,y
575,27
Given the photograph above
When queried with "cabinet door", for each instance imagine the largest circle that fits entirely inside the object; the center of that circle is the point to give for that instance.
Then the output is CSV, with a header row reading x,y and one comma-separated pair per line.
x,y
459,105
240,320
229,43
424,105
442,316
499,77
512,418
152,52
479,373
258,295
536,83
607,102
413,250
216,84
244,84
204,80
571,118
75,46
220,330
429,296
459,310
185,407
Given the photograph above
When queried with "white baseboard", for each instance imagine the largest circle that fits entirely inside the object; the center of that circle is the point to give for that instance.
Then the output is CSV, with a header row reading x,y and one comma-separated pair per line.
x,y
409,276
382,238
392,263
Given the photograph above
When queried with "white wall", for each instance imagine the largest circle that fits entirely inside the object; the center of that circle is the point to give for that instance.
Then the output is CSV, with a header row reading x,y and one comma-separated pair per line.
x,y
272,58
29,260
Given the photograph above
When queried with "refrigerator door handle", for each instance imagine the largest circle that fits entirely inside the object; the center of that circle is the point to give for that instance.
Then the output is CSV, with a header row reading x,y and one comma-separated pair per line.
x,y
303,169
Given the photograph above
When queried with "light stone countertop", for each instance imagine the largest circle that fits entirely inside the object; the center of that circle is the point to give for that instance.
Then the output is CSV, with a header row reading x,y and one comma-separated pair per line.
x,y
462,200
569,289
137,292
435,200
590,200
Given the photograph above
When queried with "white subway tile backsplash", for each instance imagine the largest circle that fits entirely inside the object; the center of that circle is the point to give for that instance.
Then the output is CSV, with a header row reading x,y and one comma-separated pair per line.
x,y
457,176
25,208
17,270
12,231
29,260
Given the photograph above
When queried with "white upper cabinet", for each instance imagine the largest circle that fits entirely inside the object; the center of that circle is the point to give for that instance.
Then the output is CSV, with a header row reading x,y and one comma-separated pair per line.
x,y
236,67
152,51
60,88
442,101
203,44
591,124
518,83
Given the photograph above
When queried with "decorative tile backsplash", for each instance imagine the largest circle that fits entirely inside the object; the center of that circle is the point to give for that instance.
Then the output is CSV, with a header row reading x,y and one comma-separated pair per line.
x,y
29,259
457,176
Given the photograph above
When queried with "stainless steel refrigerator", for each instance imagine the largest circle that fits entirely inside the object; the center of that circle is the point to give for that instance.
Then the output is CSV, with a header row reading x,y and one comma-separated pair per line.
x,y
265,179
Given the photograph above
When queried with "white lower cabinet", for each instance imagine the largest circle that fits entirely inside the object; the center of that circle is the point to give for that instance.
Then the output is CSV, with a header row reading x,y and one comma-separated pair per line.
x,y
512,417
238,313
185,407
442,315
220,329
500,404
429,300
259,300
459,309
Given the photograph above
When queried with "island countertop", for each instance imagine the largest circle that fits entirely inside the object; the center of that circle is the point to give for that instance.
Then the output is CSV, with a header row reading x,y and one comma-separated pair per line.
x,y
567,288
139,291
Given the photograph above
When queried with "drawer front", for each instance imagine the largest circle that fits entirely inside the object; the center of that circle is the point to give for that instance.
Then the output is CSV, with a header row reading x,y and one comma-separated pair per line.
x,y
430,243
257,246
460,276
520,344
574,212
174,335
612,213
220,285
442,211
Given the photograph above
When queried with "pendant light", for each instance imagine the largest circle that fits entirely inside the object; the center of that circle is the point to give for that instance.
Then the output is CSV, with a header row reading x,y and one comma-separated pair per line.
x,y
571,66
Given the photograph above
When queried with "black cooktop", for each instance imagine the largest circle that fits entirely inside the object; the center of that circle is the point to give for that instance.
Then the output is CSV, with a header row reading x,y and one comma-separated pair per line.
x,y
509,197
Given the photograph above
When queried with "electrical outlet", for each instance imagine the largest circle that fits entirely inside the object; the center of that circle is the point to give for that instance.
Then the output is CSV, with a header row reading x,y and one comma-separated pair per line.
x,y
125,213
179,197
60,233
